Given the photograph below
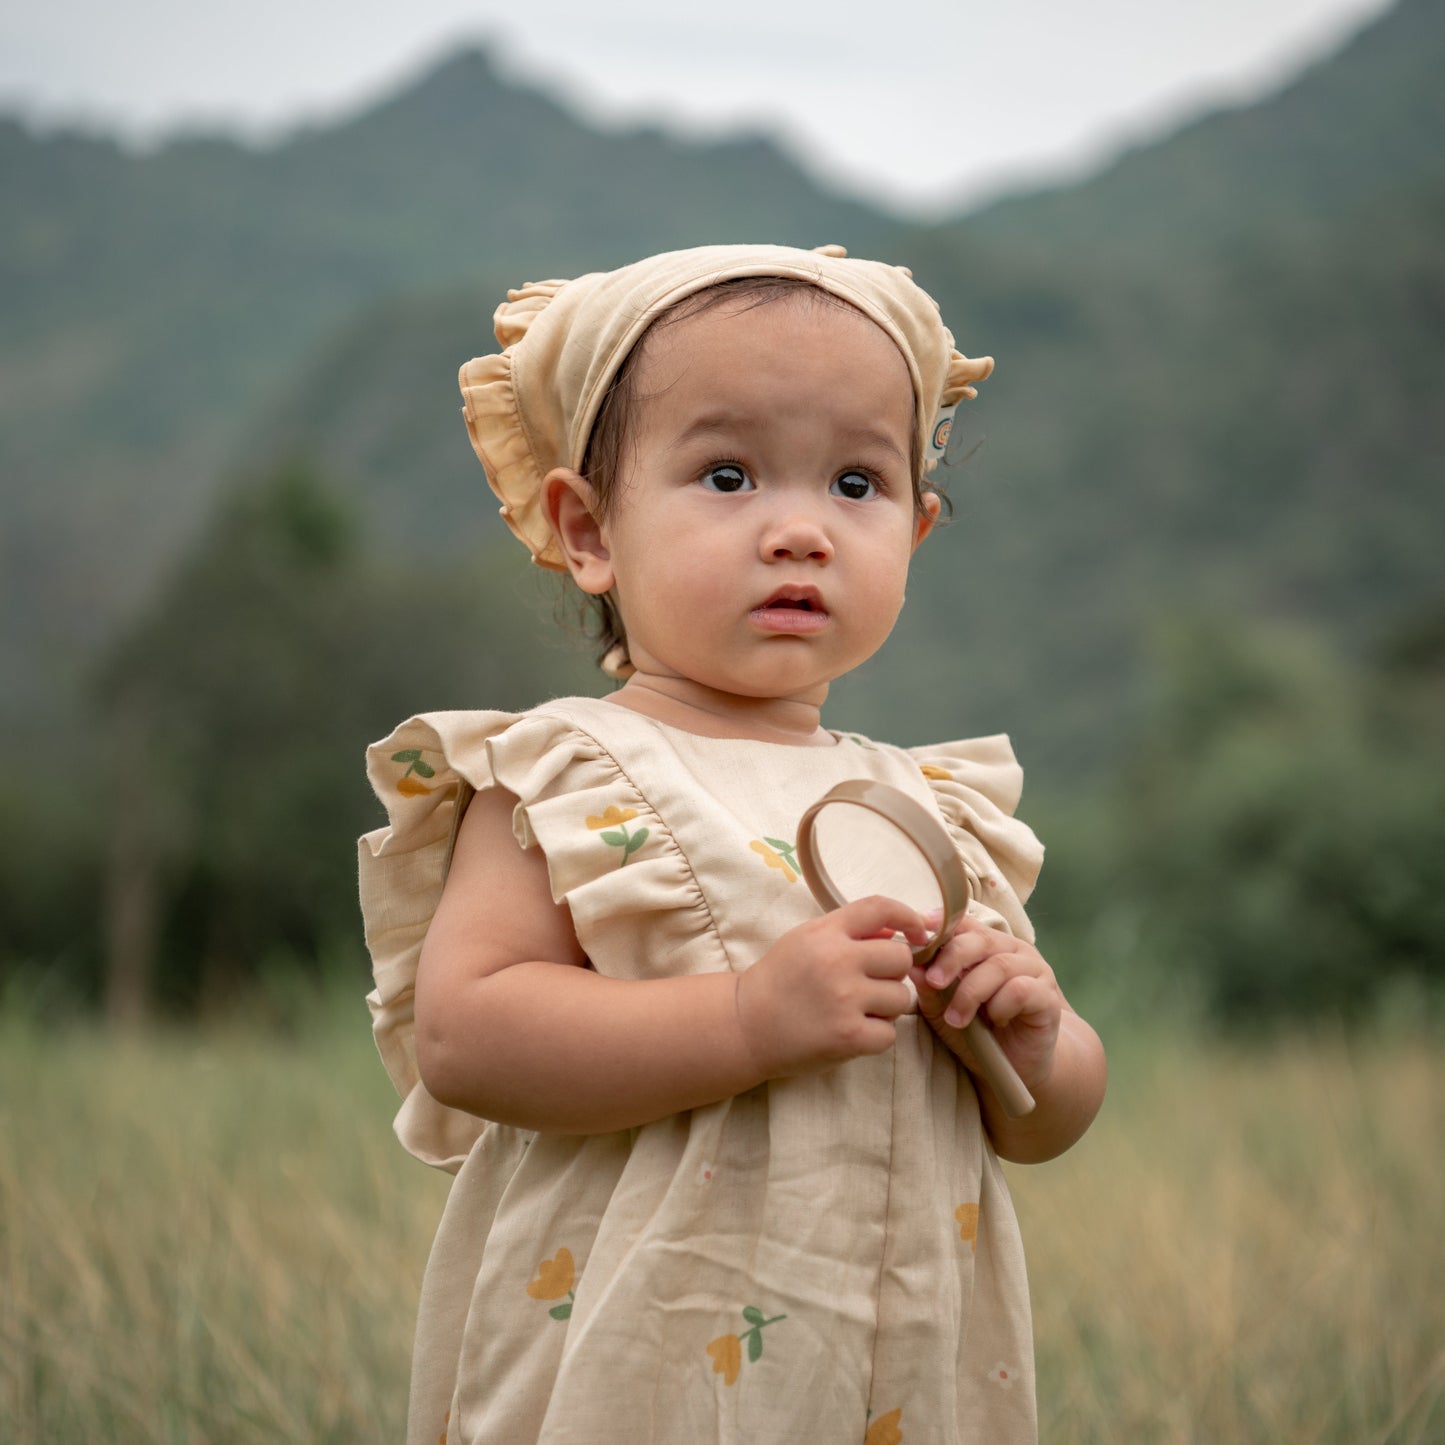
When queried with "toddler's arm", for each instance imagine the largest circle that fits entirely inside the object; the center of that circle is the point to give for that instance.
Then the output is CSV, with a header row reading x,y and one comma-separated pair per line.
x,y
512,1025
1058,1056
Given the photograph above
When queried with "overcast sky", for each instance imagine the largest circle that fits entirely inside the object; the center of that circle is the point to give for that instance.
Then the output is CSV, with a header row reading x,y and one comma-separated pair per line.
x,y
918,103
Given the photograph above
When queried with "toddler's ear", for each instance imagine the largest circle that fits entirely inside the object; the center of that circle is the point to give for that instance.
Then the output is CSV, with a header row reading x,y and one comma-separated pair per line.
x,y
932,504
571,509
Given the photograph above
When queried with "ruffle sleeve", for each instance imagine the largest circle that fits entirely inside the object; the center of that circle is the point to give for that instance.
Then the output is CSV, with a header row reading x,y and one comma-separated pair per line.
x,y
977,784
634,901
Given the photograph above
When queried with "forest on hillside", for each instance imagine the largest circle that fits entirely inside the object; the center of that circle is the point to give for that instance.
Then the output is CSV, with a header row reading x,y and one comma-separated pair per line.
x,y
1193,568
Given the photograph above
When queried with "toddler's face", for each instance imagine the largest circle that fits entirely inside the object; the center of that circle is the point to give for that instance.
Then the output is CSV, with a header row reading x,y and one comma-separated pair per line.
x,y
764,515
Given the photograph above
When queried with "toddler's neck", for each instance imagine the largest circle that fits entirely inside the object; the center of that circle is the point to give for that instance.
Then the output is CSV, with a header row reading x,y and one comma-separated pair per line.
x,y
684,704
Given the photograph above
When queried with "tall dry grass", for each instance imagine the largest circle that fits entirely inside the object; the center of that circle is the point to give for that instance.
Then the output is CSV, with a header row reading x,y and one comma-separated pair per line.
x,y
204,1239
1247,1247
214,1239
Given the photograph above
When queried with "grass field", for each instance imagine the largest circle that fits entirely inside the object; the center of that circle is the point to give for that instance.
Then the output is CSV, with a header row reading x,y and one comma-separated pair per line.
x,y
213,1238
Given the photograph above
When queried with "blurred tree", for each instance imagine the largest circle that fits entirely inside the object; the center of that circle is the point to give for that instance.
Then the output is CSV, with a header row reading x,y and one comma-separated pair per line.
x,y
1285,823
223,703
237,712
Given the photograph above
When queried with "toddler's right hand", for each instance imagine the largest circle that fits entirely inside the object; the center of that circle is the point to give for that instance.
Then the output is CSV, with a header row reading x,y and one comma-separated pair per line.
x,y
830,989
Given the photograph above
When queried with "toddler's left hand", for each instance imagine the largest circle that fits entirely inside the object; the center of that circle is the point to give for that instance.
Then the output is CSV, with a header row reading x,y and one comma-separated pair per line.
x,y
1005,979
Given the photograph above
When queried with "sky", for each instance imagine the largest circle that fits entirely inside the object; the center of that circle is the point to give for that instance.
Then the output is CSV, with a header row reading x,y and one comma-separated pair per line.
x,y
944,103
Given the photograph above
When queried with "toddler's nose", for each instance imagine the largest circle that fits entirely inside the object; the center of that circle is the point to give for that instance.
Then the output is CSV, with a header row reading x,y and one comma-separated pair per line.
x,y
797,537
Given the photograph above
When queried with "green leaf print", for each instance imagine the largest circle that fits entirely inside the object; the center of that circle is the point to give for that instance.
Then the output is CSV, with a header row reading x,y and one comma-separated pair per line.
x,y
413,757
615,820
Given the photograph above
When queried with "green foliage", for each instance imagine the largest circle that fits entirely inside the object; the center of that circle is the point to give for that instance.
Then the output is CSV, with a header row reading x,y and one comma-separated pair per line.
x,y
1274,844
1217,396
237,710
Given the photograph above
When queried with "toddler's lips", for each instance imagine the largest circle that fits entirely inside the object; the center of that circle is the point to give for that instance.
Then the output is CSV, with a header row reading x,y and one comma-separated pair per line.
x,y
792,611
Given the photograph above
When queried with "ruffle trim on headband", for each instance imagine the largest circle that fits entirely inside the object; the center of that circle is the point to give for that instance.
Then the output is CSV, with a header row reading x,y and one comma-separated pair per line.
x,y
963,371
498,433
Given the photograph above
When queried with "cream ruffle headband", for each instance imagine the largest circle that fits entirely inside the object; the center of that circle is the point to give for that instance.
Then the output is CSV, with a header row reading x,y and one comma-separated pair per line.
x,y
531,408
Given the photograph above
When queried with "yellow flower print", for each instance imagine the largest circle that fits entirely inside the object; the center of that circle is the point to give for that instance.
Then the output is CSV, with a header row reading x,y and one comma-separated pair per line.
x,y
727,1350
611,818
967,1216
777,854
940,775
555,1278
410,788
446,1421
885,1429
615,820
727,1357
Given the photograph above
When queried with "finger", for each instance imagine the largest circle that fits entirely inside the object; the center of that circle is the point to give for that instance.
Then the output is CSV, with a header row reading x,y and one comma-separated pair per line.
x,y
886,958
982,983
1019,998
980,938
965,950
876,1035
944,969
976,987
868,917
887,999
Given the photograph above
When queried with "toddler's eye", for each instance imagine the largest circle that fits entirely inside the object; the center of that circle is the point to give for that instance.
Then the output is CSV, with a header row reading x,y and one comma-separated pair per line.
x,y
726,477
856,486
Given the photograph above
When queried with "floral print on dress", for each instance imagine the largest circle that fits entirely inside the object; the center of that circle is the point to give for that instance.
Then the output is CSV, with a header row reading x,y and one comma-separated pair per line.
x,y
727,1350
939,775
886,1429
967,1217
615,821
1002,1375
406,785
778,854
555,1278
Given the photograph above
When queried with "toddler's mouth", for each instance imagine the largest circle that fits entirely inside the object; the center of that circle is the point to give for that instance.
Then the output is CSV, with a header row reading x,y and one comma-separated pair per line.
x,y
792,609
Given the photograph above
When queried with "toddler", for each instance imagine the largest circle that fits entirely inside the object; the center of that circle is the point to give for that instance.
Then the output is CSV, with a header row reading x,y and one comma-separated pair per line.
x,y
723,1170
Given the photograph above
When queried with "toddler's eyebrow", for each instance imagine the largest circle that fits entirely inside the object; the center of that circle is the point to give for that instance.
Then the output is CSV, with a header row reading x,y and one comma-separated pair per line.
x,y
863,436
711,424
725,425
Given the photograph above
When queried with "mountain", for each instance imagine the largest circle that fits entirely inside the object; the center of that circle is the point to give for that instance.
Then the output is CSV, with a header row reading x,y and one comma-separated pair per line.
x,y
1345,140
1218,365
1237,417
155,304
